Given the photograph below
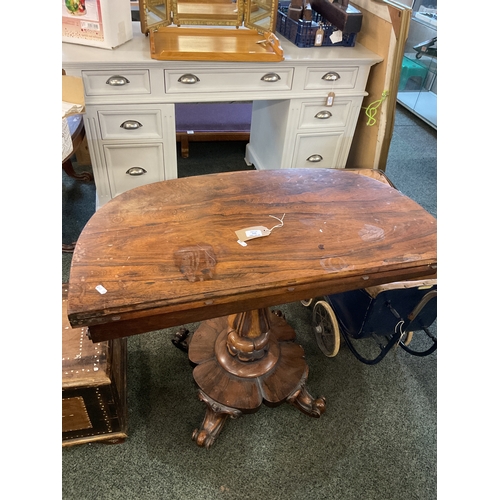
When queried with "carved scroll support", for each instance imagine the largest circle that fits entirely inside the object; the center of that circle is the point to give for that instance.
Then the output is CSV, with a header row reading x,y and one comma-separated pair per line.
x,y
303,401
215,417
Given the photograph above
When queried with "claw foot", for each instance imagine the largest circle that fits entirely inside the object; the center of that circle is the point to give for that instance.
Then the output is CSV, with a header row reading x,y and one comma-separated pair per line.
x,y
302,400
215,417
181,340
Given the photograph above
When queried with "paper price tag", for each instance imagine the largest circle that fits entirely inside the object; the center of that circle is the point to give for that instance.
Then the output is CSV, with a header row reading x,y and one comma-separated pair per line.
x,y
250,233
318,39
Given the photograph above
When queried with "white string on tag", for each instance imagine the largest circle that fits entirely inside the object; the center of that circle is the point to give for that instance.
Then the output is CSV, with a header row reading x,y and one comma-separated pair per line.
x,y
250,233
278,225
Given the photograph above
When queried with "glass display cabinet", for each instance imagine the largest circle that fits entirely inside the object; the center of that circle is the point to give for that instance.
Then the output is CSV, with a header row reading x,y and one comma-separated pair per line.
x,y
417,89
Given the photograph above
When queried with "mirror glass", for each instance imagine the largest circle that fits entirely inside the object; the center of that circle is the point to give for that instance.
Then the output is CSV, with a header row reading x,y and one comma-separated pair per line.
x,y
208,12
154,13
261,15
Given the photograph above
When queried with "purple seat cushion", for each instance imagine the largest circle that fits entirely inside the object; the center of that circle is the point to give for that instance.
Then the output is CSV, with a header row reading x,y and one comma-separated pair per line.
x,y
213,117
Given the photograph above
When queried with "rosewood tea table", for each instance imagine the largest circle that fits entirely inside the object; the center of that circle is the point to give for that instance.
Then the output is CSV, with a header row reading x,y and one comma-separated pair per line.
x,y
168,253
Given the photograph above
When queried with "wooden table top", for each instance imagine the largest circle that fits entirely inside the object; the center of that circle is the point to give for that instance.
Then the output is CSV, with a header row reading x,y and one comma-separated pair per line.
x,y
166,254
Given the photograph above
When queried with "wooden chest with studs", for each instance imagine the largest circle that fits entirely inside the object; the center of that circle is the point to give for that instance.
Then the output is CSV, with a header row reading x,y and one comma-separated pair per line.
x,y
93,386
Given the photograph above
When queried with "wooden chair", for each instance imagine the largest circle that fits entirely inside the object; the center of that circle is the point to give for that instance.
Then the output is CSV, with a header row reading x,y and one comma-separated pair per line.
x,y
77,130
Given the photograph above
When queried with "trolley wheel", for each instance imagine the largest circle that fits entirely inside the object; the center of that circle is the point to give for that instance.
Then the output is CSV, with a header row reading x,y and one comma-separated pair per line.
x,y
326,328
306,303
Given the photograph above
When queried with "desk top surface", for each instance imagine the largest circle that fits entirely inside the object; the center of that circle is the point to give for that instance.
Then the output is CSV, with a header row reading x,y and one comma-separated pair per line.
x,y
167,254
137,52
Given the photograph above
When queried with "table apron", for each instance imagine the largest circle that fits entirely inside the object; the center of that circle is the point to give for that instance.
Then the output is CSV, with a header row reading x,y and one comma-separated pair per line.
x,y
146,321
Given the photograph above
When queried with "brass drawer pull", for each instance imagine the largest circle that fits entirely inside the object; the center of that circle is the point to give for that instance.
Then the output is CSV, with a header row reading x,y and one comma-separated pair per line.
x,y
117,81
188,78
331,76
271,77
131,125
315,158
323,115
136,171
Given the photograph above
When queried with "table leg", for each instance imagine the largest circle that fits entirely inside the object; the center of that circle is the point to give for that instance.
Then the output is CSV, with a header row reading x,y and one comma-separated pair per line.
x,y
245,360
70,171
215,418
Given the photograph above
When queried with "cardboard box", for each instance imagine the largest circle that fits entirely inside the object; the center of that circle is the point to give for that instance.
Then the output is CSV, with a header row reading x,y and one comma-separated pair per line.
x,y
73,96
98,23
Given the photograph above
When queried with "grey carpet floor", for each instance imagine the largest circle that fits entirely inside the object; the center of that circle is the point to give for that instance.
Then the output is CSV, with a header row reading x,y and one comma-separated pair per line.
x,y
376,441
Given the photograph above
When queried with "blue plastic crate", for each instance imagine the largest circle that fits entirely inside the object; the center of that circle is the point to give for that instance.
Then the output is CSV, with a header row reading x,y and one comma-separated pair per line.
x,y
303,33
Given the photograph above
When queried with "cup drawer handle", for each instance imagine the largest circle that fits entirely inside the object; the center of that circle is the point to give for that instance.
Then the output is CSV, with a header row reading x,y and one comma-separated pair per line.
x,y
136,171
271,77
331,76
131,125
315,158
117,81
188,78
323,115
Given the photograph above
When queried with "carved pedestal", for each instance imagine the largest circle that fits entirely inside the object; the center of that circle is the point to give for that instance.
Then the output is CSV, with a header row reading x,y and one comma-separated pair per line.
x,y
245,360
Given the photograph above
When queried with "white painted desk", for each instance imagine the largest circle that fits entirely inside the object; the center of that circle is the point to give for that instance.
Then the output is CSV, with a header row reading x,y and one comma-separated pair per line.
x,y
130,107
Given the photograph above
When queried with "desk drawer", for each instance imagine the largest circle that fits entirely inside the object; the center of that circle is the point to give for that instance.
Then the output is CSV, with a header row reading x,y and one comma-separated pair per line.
x,y
133,165
330,79
315,115
319,150
116,82
132,124
265,79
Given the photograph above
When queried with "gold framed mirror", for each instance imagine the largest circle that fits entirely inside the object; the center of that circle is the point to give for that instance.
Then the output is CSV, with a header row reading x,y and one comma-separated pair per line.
x,y
259,15
187,29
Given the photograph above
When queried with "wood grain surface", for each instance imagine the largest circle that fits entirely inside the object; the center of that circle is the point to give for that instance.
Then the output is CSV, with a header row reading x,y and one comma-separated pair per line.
x,y
166,254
